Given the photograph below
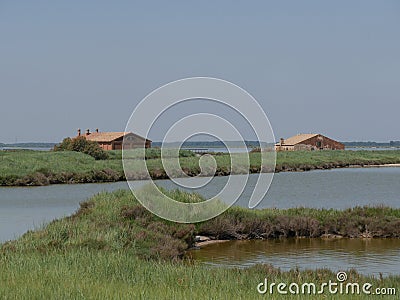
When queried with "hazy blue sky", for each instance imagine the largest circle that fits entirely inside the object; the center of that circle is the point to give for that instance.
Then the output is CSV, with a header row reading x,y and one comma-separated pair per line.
x,y
315,66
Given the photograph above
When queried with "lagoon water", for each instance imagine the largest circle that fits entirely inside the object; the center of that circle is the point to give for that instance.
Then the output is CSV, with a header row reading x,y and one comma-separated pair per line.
x,y
367,256
26,208
337,188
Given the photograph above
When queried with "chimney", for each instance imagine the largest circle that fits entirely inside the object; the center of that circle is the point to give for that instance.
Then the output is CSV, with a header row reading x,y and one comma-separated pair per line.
x,y
282,141
79,132
87,131
97,130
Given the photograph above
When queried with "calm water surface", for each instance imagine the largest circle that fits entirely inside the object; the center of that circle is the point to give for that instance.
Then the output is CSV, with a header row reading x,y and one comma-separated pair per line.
x,y
337,188
372,256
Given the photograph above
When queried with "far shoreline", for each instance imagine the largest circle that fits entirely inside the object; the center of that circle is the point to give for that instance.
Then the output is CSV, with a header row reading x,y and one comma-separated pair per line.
x,y
36,168
285,170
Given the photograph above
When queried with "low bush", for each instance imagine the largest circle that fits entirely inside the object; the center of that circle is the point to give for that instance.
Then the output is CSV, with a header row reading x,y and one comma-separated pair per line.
x,y
81,144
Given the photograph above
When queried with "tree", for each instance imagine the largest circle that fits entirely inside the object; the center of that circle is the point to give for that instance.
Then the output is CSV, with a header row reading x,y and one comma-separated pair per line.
x,y
81,144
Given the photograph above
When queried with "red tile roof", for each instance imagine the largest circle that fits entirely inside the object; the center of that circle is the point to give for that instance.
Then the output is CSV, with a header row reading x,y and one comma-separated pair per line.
x,y
297,139
108,136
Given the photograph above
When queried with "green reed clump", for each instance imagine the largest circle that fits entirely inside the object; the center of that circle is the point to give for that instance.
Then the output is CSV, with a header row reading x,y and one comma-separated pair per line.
x,y
111,221
99,274
240,223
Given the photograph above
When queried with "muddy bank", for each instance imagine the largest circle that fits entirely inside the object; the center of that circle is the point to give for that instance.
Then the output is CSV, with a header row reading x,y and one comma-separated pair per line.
x,y
359,222
210,240
327,166
47,178
161,174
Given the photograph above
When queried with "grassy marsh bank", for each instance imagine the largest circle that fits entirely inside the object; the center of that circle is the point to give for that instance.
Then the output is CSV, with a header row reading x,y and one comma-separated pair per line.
x,y
22,168
114,248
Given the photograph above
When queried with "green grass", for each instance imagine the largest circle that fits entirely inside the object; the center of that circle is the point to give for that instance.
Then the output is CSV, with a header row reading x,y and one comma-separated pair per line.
x,y
41,168
94,274
112,248
20,163
298,159
47,167
24,162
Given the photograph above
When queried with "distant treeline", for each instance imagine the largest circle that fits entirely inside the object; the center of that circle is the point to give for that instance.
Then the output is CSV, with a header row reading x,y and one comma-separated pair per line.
x,y
372,144
255,144
29,145
211,144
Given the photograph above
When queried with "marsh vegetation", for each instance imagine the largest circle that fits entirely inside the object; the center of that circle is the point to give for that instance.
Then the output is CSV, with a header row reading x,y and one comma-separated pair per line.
x,y
24,167
113,248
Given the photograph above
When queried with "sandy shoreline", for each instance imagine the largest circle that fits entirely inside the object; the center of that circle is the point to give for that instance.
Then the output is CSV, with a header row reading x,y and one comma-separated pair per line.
x,y
381,166
210,242
202,241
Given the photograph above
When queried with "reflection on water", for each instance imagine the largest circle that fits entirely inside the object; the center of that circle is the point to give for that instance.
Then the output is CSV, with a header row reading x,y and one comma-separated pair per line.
x,y
371,256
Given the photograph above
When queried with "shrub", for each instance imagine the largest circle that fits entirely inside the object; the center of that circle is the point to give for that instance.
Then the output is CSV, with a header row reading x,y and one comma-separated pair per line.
x,y
80,144
94,150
